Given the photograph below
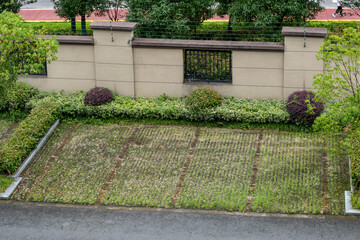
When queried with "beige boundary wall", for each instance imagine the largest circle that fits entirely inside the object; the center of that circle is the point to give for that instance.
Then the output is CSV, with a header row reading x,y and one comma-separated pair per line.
x,y
151,67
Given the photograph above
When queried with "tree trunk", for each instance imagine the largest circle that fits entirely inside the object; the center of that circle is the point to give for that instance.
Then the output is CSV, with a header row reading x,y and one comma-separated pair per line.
x,y
229,33
73,24
83,25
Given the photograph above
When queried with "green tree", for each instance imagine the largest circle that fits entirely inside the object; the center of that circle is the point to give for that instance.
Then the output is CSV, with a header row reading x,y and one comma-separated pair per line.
x,y
222,9
113,9
339,88
354,6
13,5
22,51
69,9
168,18
272,14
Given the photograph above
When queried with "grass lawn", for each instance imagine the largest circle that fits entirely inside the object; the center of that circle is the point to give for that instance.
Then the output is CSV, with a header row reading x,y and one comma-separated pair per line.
x,y
6,128
187,167
5,182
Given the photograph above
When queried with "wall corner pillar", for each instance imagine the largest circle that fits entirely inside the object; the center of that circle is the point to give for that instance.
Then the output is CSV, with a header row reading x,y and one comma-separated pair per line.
x,y
300,62
113,53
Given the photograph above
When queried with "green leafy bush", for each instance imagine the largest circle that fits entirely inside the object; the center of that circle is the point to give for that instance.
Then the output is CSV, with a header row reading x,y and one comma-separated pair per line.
x,y
27,134
19,95
203,98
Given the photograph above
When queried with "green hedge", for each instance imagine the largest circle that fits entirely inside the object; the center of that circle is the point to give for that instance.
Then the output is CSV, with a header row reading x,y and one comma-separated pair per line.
x,y
59,28
161,108
28,134
208,30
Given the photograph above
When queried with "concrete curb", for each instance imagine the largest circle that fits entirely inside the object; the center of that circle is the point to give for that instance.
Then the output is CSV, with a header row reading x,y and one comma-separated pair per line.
x,y
34,152
18,179
348,207
10,189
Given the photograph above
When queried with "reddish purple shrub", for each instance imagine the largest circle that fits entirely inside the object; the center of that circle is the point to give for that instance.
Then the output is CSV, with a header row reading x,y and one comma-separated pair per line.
x,y
98,96
297,107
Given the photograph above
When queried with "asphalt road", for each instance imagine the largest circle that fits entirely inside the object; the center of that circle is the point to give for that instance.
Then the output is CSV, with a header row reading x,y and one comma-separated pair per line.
x,y
24,221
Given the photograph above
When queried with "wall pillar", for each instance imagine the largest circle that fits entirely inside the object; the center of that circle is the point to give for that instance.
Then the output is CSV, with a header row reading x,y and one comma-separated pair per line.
x,y
114,60
300,63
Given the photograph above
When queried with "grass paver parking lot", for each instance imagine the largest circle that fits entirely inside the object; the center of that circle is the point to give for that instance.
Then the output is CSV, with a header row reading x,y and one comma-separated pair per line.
x,y
289,177
82,167
220,171
187,167
151,169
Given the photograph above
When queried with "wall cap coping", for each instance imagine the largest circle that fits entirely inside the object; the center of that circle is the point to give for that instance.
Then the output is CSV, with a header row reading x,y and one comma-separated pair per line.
x,y
63,39
115,26
206,44
309,32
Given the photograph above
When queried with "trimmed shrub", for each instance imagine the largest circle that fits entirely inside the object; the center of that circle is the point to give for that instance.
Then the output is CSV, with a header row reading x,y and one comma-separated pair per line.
x,y
202,99
303,108
27,134
98,96
19,95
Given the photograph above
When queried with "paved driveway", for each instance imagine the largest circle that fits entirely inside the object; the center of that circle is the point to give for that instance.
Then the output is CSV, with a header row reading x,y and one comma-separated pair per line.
x,y
31,221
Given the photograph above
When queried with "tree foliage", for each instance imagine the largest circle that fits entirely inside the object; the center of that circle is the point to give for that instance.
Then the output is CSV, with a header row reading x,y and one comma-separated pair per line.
x,y
338,86
354,6
13,5
22,51
274,11
168,18
114,9
69,9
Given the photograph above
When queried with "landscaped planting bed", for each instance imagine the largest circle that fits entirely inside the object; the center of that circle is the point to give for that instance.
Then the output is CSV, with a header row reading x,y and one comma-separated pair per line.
x,y
149,173
220,171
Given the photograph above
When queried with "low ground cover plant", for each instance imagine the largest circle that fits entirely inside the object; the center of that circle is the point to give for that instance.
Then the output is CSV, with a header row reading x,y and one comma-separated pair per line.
x,y
27,135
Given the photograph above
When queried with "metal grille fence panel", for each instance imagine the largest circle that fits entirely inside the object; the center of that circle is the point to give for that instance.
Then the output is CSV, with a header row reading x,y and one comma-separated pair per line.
x,y
207,65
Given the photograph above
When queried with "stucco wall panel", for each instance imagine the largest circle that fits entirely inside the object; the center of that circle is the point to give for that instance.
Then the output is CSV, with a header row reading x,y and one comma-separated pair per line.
x,y
158,73
302,61
113,55
258,59
257,77
114,72
75,53
151,56
71,70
